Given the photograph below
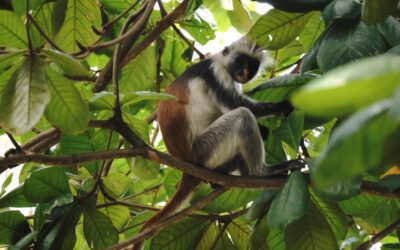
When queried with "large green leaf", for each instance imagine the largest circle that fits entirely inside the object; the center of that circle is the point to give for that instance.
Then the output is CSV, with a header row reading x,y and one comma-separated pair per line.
x,y
119,215
181,235
140,127
173,62
42,17
333,214
240,233
137,96
98,228
375,11
258,239
390,29
342,9
139,73
15,198
66,110
81,16
13,227
312,30
240,16
231,200
9,59
333,94
310,232
144,169
67,63
25,97
290,203
199,29
46,184
347,41
207,238
373,213
12,30
279,88
60,233
370,132
276,28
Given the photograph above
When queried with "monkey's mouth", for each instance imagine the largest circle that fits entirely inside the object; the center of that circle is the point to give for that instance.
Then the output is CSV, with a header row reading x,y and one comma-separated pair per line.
x,y
243,76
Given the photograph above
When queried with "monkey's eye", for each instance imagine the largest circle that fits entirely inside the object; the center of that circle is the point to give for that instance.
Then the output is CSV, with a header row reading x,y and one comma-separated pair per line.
x,y
225,51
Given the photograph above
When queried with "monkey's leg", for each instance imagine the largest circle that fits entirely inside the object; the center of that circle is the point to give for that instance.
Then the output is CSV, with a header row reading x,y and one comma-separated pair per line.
x,y
235,132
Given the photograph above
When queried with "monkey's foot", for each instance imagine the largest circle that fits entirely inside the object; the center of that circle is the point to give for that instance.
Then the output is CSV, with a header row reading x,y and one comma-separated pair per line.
x,y
285,167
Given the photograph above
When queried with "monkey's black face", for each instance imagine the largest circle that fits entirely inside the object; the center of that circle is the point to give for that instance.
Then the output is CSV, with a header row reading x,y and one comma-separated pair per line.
x,y
243,68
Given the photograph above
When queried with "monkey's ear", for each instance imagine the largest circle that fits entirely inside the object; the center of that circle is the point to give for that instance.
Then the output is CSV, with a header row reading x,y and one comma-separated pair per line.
x,y
225,51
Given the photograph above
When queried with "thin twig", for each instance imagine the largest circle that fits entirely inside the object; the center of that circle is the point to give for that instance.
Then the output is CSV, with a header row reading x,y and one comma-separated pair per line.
x,y
379,236
33,21
127,204
152,189
122,14
15,143
151,230
177,31
219,235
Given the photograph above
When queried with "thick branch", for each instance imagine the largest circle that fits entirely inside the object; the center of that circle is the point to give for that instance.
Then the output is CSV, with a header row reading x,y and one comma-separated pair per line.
x,y
162,158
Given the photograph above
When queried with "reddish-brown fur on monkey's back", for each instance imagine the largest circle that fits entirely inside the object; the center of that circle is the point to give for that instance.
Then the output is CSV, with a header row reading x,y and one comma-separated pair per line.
x,y
173,121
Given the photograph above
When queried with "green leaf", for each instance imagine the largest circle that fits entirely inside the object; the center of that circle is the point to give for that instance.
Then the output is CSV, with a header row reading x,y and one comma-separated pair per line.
x,y
98,228
139,73
135,97
312,30
207,238
25,242
279,88
342,9
310,232
292,128
140,127
119,215
102,101
373,213
375,11
181,235
46,184
231,200
332,95
276,240
12,30
347,41
42,17
5,184
297,5
80,17
173,64
277,29
240,16
240,233
258,237
290,203
333,214
369,132
60,233
15,198
66,110
25,97
392,182
144,169
13,227
67,63
199,29
8,60
171,180
390,29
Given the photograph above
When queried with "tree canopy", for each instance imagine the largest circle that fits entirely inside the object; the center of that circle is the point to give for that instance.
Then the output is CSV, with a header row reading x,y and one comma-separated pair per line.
x,y
79,85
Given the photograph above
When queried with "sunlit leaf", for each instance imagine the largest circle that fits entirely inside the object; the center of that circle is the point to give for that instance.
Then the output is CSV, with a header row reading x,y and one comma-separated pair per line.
x,y
80,17
333,94
12,30
25,97
276,29
67,63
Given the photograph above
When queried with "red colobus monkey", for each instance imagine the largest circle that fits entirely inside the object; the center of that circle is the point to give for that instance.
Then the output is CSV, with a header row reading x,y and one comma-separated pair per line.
x,y
212,124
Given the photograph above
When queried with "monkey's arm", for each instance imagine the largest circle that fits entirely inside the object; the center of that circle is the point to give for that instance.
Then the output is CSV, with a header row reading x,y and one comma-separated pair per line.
x,y
265,109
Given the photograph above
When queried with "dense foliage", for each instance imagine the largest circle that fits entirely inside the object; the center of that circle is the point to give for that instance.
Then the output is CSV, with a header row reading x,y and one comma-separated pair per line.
x,y
92,163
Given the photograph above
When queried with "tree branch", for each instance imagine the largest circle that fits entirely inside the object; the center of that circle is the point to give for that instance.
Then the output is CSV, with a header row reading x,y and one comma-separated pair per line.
x,y
152,230
379,236
162,158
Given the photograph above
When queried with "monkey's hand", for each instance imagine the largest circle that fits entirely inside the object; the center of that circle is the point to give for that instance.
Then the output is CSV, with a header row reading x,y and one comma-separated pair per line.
x,y
277,108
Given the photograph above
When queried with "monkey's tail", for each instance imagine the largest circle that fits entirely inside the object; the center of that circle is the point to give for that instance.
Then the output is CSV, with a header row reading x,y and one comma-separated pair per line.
x,y
182,195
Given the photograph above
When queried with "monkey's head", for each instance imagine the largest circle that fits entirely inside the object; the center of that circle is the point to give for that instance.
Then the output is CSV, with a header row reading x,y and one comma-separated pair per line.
x,y
243,60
